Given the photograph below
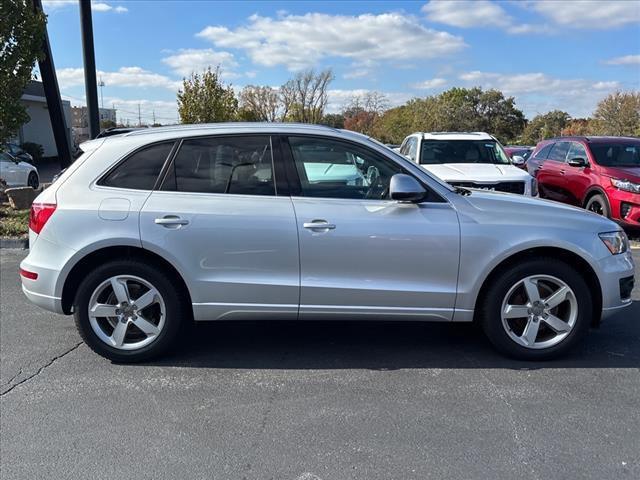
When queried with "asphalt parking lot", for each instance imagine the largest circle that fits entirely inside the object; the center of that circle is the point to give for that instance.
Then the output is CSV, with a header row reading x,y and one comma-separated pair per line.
x,y
314,401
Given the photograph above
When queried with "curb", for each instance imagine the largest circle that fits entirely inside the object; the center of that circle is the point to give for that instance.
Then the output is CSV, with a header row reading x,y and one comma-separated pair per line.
x,y
21,243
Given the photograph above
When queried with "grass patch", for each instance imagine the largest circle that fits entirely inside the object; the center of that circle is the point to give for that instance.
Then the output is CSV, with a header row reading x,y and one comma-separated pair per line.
x,y
13,223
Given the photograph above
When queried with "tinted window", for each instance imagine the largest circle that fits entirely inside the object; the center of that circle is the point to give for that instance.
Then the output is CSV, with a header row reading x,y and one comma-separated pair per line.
x,y
577,150
559,151
140,170
330,168
617,154
236,165
544,151
462,151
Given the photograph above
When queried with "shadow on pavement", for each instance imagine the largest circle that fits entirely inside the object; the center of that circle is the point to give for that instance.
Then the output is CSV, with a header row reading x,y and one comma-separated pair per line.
x,y
387,346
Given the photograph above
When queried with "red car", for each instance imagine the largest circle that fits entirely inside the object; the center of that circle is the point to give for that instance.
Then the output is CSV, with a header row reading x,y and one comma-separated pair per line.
x,y
519,151
601,174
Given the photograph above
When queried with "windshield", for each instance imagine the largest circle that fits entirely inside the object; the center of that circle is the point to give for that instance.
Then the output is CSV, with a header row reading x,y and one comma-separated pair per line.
x,y
617,154
462,151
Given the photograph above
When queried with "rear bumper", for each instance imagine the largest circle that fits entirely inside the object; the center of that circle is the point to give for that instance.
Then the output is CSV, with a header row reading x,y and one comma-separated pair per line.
x,y
53,304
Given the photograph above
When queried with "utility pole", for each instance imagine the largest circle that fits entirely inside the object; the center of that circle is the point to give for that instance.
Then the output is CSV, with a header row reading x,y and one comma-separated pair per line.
x,y
91,92
154,117
54,101
139,118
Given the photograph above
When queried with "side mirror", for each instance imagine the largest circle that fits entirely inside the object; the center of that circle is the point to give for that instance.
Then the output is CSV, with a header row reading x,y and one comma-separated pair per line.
x,y
405,188
577,162
518,160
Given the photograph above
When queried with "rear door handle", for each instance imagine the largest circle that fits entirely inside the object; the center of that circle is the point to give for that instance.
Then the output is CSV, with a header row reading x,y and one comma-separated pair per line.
x,y
170,221
319,225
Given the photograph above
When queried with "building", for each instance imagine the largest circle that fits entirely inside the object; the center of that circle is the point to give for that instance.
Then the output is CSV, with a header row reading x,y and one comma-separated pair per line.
x,y
38,128
81,121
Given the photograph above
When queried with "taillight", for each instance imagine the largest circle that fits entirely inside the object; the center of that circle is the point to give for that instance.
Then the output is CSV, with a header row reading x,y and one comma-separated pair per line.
x,y
39,215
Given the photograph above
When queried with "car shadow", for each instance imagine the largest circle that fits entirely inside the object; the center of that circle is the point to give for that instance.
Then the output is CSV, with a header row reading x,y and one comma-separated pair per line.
x,y
386,346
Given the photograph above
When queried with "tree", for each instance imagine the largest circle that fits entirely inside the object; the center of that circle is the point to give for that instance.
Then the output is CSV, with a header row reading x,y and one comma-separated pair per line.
x,y
361,113
544,126
619,114
335,120
580,126
259,104
104,124
21,34
304,97
204,98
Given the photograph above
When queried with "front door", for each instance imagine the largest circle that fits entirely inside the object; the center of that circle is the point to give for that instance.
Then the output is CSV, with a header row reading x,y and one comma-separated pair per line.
x,y
551,173
219,219
361,254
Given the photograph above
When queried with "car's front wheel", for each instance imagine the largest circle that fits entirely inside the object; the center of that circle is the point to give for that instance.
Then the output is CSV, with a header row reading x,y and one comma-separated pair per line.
x,y
128,311
537,309
598,204
33,180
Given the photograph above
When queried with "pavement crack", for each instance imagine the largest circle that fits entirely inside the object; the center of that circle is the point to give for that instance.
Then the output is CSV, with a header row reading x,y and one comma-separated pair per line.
x,y
40,370
14,377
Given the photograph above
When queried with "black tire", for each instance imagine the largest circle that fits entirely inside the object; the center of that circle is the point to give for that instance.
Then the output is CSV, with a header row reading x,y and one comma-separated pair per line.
x,y
176,305
491,305
599,204
33,180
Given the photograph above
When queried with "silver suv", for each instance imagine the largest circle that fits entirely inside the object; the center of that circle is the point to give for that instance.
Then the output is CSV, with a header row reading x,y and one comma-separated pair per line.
x,y
152,229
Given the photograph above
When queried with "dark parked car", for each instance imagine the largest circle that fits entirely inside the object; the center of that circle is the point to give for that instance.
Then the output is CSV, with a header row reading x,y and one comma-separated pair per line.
x,y
601,174
519,155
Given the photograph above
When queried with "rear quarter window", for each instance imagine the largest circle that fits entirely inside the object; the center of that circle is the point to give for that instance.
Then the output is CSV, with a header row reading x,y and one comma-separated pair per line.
x,y
140,170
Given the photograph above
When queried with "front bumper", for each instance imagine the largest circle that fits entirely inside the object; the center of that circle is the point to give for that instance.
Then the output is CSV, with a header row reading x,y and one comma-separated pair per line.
x,y
625,207
613,272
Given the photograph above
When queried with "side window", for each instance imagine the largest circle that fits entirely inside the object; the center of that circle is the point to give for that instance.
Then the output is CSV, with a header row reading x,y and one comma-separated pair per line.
x,y
140,170
559,151
413,148
235,165
334,169
577,150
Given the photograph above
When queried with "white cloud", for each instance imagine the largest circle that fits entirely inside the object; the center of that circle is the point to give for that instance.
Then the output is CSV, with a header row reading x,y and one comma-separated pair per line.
x,y
299,41
466,13
590,14
430,84
96,6
624,60
123,77
357,73
189,60
539,92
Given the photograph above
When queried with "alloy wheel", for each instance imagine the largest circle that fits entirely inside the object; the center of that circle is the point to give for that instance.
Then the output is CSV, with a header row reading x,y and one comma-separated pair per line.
x,y
126,312
539,311
596,207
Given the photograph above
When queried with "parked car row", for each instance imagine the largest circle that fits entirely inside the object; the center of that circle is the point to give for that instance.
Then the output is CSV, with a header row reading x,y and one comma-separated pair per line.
x,y
601,174
151,229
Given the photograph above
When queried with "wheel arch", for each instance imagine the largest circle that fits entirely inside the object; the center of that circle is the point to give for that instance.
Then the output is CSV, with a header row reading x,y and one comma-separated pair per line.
x,y
566,256
101,255
595,190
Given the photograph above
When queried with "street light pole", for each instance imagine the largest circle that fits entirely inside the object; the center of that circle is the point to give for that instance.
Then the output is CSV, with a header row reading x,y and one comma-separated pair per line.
x,y
91,90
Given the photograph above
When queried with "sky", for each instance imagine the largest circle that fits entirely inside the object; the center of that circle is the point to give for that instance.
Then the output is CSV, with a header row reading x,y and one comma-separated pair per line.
x,y
547,54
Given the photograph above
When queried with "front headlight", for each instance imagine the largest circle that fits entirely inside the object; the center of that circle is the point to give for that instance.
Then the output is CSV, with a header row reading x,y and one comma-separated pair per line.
x,y
626,185
616,242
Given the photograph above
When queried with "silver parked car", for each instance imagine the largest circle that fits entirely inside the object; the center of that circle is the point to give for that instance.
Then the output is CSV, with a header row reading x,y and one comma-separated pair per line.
x,y
151,229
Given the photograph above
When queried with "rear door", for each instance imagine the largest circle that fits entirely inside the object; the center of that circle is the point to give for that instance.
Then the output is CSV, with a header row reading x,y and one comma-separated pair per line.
x,y
363,255
551,176
220,218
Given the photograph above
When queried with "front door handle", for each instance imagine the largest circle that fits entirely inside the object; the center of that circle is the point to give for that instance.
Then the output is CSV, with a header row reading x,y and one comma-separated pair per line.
x,y
171,221
319,225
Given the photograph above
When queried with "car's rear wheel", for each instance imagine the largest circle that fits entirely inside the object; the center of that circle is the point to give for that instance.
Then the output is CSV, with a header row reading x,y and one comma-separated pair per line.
x,y
598,204
33,181
128,311
537,309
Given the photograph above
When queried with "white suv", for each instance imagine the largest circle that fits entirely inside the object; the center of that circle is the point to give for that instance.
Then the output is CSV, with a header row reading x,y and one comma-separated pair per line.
x,y
471,160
